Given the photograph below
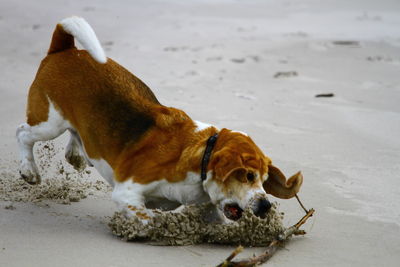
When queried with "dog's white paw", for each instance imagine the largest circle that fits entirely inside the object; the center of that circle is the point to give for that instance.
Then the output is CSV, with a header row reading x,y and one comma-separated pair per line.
x,y
144,215
29,173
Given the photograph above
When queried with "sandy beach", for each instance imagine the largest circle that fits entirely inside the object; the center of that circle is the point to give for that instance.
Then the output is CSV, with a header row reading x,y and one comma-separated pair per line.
x,y
254,66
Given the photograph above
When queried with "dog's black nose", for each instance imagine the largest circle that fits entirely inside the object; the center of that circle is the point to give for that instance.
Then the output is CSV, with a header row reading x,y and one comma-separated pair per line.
x,y
263,207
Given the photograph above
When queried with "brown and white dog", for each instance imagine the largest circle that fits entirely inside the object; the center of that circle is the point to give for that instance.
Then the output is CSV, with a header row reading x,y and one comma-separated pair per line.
x,y
150,153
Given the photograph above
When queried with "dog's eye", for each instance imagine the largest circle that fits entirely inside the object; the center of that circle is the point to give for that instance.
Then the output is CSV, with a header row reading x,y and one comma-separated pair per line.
x,y
250,177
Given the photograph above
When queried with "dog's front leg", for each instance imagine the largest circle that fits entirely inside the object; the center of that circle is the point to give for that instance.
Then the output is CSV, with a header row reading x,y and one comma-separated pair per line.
x,y
130,198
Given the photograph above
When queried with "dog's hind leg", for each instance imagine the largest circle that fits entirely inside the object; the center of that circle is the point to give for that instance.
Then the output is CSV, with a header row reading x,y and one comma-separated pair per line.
x,y
75,154
31,132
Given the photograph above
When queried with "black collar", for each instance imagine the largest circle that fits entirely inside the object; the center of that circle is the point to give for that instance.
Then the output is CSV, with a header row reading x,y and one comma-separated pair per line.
x,y
207,155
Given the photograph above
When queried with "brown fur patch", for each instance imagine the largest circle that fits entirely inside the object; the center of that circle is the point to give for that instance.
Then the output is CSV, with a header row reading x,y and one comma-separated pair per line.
x,y
38,107
142,215
38,104
235,152
61,40
132,208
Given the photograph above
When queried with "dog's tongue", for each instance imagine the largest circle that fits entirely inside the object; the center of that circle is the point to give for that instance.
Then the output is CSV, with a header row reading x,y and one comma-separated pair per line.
x,y
233,212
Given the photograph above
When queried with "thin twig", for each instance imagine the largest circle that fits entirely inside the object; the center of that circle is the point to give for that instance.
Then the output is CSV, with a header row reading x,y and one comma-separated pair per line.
x,y
301,204
230,257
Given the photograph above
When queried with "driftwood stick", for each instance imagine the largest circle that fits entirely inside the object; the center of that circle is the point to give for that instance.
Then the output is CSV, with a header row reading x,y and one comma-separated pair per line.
x,y
230,257
270,250
304,219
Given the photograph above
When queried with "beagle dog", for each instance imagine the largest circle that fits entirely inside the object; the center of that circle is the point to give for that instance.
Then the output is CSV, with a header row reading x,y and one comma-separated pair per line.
x,y
153,155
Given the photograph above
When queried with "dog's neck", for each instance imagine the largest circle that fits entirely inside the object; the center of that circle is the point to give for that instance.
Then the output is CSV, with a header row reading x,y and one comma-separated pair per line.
x,y
184,153
207,155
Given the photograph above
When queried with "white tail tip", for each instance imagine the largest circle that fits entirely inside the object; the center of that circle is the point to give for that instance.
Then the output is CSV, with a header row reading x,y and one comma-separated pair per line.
x,y
81,30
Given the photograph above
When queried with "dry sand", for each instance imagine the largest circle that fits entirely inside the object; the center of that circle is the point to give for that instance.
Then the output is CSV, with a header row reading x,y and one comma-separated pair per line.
x,y
253,66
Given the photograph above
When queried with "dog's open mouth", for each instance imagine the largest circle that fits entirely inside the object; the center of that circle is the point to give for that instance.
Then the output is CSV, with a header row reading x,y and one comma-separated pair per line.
x,y
233,211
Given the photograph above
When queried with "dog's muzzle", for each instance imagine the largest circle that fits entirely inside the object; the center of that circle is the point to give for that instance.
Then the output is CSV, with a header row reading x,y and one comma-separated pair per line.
x,y
261,207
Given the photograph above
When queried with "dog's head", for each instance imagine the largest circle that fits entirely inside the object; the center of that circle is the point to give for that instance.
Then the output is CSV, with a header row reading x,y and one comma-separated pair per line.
x,y
241,176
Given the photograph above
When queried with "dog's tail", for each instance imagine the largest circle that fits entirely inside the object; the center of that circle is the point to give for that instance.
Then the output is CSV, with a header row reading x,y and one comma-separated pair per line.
x,y
78,28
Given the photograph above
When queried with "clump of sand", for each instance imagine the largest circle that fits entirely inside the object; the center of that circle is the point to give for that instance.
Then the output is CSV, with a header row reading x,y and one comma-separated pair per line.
x,y
61,191
60,182
191,227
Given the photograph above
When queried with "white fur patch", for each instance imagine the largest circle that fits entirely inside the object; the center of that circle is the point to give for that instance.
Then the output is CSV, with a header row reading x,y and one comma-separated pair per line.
x,y
188,191
252,195
81,30
27,136
129,197
212,189
129,193
201,126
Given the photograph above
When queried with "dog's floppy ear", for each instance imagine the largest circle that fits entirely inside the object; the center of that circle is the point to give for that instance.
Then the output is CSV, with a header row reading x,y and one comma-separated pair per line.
x,y
278,186
227,164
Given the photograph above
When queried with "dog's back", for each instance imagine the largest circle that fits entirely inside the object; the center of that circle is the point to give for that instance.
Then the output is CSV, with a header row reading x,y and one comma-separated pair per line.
x,y
103,101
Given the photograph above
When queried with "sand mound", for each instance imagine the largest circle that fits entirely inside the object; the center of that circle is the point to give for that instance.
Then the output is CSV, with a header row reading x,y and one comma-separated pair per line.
x,y
191,227
60,182
60,191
